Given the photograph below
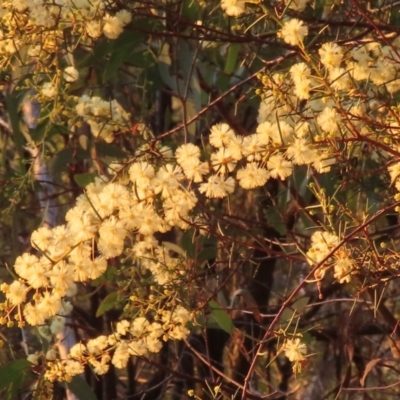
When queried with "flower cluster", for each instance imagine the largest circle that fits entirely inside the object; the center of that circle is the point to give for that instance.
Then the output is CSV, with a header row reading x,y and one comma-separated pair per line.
x,y
88,18
107,213
293,32
233,8
138,337
295,351
270,152
105,118
322,243
325,251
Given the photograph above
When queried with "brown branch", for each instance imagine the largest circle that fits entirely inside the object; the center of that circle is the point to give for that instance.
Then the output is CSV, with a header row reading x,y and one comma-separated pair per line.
x,y
310,275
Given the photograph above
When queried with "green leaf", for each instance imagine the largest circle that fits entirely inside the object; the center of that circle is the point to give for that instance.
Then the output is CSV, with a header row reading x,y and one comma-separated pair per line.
x,y
107,277
223,82
207,321
292,312
208,249
12,104
231,59
199,247
307,338
104,149
191,10
221,316
117,59
86,297
12,378
122,50
45,130
300,305
274,219
107,304
286,316
98,53
142,59
80,388
60,161
84,179
207,252
188,242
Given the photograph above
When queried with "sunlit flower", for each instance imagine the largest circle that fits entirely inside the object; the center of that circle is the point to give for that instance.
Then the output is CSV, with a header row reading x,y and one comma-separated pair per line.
x,y
186,153
195,170
361,54
222,161
295,350
141,173
331,55
278,167
293,32
233,8
16,293
301,152
113,26
71,74
252,176
77,351
23,264
220,135
282,133
49,90
340,79
328,120
49,304
300,71
302,89
217,186
343,265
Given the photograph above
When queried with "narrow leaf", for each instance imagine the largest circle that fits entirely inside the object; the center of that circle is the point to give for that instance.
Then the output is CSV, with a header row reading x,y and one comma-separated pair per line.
x,y
61,160
274,219
12,104
117,59
109,150
12,378
79,387
294,310
107,304
300,305
98,53
221,316
188,243
84,179
231,58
